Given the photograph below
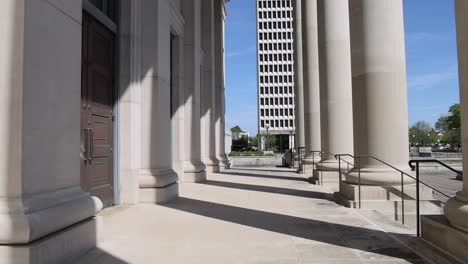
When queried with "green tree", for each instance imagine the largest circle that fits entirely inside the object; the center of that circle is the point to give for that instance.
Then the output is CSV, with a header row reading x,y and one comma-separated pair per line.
x,y
240,144
271,142
422,134
449,125
253,141
236,129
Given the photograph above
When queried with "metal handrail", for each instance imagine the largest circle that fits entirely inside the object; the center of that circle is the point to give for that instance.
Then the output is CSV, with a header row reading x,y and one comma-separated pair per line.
x,y
300,156
418,181
417,161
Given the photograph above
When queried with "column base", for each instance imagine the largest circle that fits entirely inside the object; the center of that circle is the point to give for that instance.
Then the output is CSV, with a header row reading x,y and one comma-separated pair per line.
x,y
65,246
212,165
28,219
158,186
213,168
456,210
159,195
387,200
378,176
194,172
321,177
308,169
437,231
224,161
194,177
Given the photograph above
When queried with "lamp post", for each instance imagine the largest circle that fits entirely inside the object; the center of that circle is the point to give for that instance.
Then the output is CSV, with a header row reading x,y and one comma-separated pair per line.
x,y
291,139
267,126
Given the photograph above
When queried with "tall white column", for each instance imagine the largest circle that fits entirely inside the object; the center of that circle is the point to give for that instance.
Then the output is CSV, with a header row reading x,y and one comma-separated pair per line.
x,y
456,208
158,181
219,21
40,102
336,118
379,90
298,74
194,169
208,86
311,81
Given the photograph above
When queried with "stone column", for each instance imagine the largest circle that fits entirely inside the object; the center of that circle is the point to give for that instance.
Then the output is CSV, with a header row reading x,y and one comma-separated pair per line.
x,y
298,75
311,83
336,119
456,208
379,90
40,104
208,86
194,169
158,181
219,21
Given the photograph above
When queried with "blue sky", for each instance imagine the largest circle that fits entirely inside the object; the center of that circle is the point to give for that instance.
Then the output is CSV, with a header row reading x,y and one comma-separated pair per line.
x,y
430,53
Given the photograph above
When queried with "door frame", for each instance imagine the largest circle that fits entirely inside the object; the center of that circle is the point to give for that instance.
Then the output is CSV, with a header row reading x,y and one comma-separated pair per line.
x,y
113,27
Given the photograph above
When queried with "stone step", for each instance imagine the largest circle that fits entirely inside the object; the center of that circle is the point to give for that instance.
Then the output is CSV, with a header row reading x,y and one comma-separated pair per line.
x,y
389,193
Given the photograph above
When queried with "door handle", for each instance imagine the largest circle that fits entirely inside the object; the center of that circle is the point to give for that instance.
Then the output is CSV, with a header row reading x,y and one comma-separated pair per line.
x,y
91,143
86,137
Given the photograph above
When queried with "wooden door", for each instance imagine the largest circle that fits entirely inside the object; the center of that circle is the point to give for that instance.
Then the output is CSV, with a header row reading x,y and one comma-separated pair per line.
x,y
96,110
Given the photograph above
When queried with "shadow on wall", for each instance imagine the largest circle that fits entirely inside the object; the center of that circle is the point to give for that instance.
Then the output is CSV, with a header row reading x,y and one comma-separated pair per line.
x,y
360,238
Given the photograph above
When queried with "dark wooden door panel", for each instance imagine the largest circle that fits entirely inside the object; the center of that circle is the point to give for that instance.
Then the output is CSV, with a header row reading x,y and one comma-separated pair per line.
x,y
96,113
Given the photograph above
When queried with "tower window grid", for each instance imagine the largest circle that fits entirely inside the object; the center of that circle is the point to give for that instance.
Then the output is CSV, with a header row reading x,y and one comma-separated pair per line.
x,y
275,65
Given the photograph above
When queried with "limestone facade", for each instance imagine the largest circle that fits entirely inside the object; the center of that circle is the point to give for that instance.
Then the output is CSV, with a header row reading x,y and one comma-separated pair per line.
x,y
168,100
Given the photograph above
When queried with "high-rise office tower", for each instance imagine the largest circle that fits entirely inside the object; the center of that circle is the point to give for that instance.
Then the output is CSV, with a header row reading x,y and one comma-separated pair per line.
x,y
275,72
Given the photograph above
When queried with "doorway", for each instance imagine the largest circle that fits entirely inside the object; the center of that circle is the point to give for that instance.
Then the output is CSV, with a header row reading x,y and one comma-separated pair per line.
x,y
97,121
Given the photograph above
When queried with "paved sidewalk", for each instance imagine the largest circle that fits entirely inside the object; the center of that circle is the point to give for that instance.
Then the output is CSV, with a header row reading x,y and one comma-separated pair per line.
x,y
442,180
246,216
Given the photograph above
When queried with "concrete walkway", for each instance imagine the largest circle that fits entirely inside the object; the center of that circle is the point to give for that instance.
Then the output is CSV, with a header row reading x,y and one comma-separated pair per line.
x,y
246,216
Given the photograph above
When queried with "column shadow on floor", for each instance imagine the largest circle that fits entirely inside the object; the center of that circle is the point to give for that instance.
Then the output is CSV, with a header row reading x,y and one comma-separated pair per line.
x,y
270,189
270,169
353,237
99,256
290,178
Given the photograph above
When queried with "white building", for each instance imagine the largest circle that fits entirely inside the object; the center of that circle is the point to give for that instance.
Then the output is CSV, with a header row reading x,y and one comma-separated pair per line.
x,y
102,103
275,57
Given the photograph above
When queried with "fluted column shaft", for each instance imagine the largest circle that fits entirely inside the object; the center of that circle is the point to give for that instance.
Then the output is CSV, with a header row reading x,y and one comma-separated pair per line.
x,y
336,118
456,208
379,90
298,75
208,86
311,79
219,20
194,169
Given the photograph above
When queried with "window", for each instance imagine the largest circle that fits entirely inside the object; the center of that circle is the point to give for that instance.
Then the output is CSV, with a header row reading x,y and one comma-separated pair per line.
x,y
107,7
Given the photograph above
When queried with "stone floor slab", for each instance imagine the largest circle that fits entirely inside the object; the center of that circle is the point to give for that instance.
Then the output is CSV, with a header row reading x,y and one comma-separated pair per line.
x,y
245,215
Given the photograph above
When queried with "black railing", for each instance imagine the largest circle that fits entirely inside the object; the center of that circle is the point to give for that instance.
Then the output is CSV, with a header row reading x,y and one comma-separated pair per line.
x,y
357,162
300,158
